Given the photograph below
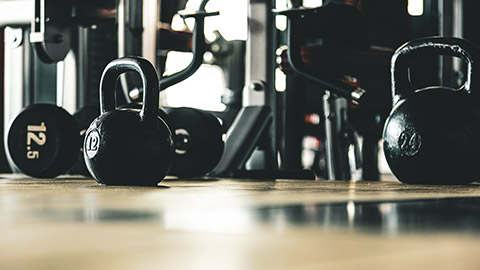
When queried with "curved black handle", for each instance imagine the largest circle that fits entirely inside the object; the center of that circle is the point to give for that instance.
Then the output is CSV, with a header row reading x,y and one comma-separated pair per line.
x,y
149,78
469,52
294,29
198,49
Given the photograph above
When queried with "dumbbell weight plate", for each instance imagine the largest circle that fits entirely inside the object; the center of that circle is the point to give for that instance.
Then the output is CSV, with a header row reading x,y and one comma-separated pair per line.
x,y
203,133
51,31
84,117
43,141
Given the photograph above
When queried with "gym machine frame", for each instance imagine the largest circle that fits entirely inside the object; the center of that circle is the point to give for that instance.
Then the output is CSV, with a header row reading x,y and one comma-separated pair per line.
x,y
251,144
334,100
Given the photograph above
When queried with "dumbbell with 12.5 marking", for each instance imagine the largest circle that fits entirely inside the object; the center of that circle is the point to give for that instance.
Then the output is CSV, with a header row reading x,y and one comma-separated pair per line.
x,y
44,140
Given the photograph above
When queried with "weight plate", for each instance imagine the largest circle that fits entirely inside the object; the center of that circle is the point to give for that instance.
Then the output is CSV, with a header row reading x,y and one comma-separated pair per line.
x,y
51,29
198,139
43,141
55,47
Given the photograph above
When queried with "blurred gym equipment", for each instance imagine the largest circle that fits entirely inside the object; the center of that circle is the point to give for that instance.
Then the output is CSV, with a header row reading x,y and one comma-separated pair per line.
x,y
281,116
342,56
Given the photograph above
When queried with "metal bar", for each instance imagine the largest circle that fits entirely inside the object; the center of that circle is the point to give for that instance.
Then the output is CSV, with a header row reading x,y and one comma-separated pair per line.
x,y
293,130
242,138
338,167
150,19
82,66
260,53
450,25
67,83
14,74
338,87
259,73
130,22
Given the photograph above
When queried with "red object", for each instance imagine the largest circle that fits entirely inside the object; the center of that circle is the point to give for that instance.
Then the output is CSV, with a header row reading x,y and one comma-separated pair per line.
x,y
341,60
175,40
313,119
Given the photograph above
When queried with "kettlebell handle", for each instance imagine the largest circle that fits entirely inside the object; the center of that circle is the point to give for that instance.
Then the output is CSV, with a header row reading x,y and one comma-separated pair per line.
x,y
469,52
149,78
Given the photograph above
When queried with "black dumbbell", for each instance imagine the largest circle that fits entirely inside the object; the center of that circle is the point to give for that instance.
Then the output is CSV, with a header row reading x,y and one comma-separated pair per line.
x,y
44,140
198,141
127,146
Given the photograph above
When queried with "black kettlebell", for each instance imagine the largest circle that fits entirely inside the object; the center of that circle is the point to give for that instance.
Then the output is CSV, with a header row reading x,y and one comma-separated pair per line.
x,y
432,135
197,134
129,146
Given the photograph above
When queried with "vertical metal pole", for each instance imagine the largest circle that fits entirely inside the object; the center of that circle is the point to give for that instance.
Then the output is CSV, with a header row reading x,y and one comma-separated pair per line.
x,y
293,112
151,19
259,76
136,17
83,62
67,83
451,25
336,143
457,26
329,136
18,13
14,80
3,162
260,53
16,76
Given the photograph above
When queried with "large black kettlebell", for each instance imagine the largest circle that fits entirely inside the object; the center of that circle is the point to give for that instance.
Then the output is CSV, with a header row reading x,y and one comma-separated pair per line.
x,y
432,135
129,146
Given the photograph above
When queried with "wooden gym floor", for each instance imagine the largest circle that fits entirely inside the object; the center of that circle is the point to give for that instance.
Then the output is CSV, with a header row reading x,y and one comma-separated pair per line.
x,y
74,223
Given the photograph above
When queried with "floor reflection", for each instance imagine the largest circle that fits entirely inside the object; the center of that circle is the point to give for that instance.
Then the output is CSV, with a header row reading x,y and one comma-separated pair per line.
x,y
446,215
461,215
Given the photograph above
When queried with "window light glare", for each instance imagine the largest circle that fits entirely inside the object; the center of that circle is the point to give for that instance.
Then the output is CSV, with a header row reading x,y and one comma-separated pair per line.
x,y
281,23
415,7
312,3
280,80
